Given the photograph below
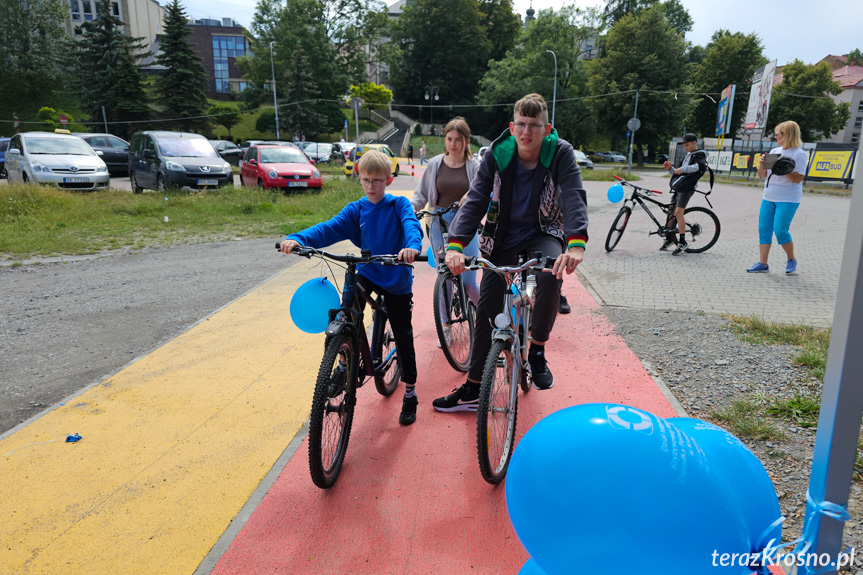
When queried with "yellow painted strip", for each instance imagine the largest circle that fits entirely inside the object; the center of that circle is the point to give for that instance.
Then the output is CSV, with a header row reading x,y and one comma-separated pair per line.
x,y
172,448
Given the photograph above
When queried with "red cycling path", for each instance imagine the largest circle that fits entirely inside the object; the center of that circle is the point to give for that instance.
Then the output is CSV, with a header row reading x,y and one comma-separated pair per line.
x,y
411,499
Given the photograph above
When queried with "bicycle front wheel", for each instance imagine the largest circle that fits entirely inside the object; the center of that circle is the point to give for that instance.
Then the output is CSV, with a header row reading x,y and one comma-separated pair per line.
x,y
702,227
332,411
453,308
617,228
496,412
384,343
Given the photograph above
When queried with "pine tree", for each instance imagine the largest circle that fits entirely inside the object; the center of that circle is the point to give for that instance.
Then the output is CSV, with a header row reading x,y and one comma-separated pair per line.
x,y
300,116
104,61
182,87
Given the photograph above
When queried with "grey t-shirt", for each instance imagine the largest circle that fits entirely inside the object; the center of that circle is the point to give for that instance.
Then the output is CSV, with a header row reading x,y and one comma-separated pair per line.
x,y
523,221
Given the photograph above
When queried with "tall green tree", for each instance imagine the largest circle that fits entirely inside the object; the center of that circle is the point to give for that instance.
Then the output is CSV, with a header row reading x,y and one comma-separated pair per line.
x,y
182,86
374,96
675,13
729,58
530,68
300,116
803,96
226,116
441,43
31,45
855,58
503,26
106,74
313,28
643,53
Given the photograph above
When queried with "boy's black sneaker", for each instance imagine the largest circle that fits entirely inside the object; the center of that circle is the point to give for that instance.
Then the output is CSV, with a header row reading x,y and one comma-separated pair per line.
x,y
563,306
540,374
409,410
667,244
681,247
464,398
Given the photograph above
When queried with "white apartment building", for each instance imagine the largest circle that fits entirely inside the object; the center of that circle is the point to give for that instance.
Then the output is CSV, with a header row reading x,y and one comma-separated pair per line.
x,y
141,18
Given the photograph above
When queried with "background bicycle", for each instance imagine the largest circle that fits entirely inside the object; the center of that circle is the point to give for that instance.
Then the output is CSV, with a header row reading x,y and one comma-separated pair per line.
x,y
349,361
506,367
454,310
702,225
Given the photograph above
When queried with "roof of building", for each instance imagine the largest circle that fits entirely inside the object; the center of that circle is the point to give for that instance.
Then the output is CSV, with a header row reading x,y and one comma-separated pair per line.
x,y
846,76
397,8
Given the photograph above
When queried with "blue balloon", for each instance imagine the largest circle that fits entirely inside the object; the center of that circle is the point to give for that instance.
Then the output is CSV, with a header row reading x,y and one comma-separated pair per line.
x,y
311,304
531,567
746,475
592,481
431,257
615,193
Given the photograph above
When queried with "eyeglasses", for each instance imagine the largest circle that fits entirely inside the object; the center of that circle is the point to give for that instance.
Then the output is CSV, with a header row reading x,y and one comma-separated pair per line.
x,y
376,183
533,128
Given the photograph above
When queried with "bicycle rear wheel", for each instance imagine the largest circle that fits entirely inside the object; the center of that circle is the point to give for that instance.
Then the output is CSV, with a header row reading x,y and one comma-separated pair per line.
x,y
617,228
384,352
452,307
332,411
496,412
702,227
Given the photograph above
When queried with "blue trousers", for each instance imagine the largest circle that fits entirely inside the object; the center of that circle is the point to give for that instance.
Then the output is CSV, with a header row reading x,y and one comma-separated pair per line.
x,y
471,250
775,218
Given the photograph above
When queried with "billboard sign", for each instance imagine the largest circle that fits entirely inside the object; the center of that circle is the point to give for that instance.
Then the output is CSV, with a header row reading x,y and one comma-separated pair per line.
x,y
726,106
831,162
759,99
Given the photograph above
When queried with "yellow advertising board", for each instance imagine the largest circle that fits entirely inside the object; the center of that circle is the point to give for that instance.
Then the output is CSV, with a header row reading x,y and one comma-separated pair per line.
x,y
741,161
832,165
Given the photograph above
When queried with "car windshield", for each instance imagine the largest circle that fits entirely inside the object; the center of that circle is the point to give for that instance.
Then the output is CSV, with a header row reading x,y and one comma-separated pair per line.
x,y
186,147
4,145
282,156
580,155
322,148
59,146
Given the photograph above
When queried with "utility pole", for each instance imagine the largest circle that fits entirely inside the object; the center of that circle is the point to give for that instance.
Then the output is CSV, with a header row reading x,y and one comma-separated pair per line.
x,y
554,96
275,101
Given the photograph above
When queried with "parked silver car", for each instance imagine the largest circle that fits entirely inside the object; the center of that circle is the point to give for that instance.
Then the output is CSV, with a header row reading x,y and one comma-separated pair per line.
x,y
60,160
582,160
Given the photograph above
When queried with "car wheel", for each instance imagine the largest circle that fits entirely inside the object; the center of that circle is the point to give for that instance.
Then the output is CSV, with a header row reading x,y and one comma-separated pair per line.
x,y
260,183
160,184
397,170
133,181
24,178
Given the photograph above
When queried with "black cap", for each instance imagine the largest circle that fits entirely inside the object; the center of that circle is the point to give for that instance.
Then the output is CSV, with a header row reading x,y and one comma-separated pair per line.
x,y
690,138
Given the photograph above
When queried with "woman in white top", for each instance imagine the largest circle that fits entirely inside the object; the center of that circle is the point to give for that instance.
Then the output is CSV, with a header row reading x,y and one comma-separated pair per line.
x,y
782,195
446,181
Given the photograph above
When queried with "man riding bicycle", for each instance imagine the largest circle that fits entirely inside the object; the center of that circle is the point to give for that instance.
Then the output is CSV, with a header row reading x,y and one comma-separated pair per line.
x,y
529,191
683,181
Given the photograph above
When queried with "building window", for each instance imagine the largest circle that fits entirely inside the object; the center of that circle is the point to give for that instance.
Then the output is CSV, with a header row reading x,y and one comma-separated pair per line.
x,y
860,107
88,11
115,9
858,123
225,47
855,138
76,9
78,31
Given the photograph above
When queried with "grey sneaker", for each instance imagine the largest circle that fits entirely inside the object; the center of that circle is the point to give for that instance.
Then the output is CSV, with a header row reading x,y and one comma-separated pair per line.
x,y
681,247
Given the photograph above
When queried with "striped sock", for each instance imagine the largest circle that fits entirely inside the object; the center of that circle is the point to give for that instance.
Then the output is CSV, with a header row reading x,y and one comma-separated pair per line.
x,y
410,390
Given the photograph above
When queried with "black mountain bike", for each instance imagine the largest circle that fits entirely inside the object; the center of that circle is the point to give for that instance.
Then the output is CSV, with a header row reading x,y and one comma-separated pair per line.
x,y
452,306
702,225
349,361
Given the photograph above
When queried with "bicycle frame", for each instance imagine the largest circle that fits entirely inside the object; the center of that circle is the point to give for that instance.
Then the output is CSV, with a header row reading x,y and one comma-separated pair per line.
x,y
638,197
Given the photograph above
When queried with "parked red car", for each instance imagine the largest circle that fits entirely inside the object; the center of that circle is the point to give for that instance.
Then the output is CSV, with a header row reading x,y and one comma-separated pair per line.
x,y
278,167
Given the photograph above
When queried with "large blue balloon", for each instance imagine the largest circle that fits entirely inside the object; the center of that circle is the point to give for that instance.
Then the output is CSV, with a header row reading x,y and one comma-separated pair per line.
x,y
746,475
531,567
615,193
591,482
311,304
431,257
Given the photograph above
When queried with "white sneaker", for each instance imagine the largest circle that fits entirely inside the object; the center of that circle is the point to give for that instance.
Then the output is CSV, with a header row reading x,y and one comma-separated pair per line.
x,y
447,335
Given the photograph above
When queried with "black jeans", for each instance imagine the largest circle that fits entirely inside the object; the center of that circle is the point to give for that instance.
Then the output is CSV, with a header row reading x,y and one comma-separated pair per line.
x,y
400,313
491,294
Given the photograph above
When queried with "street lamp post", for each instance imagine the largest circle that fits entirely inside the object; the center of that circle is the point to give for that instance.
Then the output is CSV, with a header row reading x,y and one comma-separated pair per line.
x,y
432,96
554,96
275,101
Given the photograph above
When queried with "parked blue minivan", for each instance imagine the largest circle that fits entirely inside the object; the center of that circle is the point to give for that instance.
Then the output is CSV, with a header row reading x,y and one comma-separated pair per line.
x,y
4,145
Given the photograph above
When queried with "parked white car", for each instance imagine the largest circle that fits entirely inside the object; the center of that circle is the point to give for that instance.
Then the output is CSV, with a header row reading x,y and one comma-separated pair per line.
x,y
60,160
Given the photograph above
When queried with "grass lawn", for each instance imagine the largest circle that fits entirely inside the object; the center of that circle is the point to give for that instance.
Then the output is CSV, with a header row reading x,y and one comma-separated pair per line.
x,y
38,221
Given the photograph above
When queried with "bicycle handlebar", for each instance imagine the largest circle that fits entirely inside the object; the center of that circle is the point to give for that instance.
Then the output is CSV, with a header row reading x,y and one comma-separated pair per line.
x,y
423,213
383,259
538,264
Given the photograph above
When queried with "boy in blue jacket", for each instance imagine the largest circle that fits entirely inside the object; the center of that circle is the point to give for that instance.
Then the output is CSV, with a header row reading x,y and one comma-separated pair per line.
x,y
383,224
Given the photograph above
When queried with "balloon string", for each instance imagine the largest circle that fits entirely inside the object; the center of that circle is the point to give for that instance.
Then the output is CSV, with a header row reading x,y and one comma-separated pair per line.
x,y
810,533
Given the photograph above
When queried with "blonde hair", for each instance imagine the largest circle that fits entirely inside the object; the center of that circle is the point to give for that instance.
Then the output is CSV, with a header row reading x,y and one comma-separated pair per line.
x,y
792,133
460,126
374,162
532,106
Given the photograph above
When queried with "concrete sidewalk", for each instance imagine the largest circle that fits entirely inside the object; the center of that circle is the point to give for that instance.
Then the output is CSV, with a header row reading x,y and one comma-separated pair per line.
x,y
637,275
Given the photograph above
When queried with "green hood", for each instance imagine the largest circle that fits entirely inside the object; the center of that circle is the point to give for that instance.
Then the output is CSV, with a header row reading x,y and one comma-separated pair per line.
x,y
505,147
